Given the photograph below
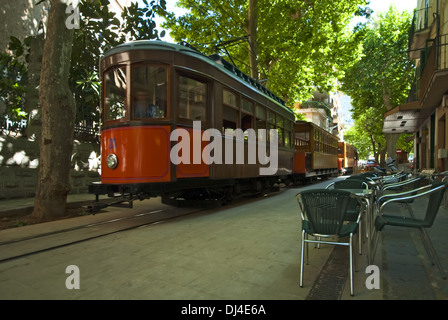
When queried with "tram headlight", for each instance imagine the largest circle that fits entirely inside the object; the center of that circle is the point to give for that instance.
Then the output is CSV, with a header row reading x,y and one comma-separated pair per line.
x,y
112,161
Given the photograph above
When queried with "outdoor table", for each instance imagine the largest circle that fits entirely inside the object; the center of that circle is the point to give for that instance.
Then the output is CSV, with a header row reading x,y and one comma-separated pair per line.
x,y
367,196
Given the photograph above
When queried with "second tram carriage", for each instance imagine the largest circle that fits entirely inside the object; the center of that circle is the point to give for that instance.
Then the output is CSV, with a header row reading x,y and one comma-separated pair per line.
x,y
316,152
348,157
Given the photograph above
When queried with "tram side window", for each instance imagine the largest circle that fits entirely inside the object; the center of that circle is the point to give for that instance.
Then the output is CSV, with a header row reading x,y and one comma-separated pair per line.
x,y
260,114
149,92
302,139
280,132
192,99
229,119
230,114
317,145
115,93
289,126
271,122
246,116
287,138
246,122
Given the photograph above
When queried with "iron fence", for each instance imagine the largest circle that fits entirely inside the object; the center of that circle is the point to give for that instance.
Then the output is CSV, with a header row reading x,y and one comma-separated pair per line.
x,y
16,128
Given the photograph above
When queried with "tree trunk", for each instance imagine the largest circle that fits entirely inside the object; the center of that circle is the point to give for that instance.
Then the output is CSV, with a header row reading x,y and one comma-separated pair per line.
x,y
58,115
391,144
252,30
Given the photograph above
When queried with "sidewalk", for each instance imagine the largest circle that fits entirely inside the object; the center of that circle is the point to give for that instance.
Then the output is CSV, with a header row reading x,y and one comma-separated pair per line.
x,y
24,206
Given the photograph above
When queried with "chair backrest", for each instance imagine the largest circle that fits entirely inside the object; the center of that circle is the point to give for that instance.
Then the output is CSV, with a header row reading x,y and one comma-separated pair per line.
x,y
324,209
409,184
435,199
353,205
359,177
368,174
351,184
371,184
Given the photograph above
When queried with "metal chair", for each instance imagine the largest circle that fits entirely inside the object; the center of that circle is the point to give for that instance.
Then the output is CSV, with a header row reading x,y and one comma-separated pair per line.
x,y
371,181
412,183
323,213
435,193
412,187
354,207
381,180
441,176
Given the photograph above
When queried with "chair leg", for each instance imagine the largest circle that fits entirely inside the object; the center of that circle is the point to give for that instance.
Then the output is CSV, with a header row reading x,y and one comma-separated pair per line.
x,y
374,244
359,235
351,265
445,200
431,251
301,258
307,250
355,256
427,245
411,212
366,229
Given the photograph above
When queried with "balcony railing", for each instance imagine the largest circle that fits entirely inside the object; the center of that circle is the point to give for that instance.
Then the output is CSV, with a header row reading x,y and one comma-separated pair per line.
x,y
428,70
435,59
443,52
413,94
423,18
422,22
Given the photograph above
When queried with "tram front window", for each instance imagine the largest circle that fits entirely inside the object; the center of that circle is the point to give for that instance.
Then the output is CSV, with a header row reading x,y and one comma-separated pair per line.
x,y
115,93
149,92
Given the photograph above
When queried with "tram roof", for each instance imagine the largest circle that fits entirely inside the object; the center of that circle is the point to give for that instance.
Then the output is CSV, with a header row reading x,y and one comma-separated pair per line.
x,y
214,59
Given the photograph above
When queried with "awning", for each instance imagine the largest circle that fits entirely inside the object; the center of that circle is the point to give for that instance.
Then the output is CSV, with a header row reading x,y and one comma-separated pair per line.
x,y
404,118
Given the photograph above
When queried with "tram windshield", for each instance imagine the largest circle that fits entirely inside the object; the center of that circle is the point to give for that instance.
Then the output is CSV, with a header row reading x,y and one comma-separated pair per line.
x,y
115,93
149,92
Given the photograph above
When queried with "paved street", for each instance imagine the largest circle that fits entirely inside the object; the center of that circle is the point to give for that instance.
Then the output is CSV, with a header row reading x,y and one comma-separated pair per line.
x,y
248,251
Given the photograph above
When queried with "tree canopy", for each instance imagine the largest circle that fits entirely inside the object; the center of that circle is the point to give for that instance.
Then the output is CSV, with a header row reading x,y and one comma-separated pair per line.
x,y
382,78
100,29
301,46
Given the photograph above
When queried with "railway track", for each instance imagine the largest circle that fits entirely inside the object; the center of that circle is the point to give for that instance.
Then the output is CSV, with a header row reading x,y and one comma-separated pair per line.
x,y
66,234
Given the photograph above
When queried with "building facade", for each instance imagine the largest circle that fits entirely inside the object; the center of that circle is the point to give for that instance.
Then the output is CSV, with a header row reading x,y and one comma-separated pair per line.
x,y
325,111
426,112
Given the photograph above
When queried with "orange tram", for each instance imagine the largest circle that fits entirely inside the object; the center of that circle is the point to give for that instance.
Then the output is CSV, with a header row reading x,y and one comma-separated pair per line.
x,y
315,153
347,157
164,102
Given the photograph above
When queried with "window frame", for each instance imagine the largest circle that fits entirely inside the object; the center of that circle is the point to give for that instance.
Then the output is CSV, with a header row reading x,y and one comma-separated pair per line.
x,y
206,83
236,107
168,95
104,108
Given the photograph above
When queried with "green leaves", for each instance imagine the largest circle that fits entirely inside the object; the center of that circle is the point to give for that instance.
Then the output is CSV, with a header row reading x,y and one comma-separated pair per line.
x,y
12,83
100,30
139,22
302,45
382,78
